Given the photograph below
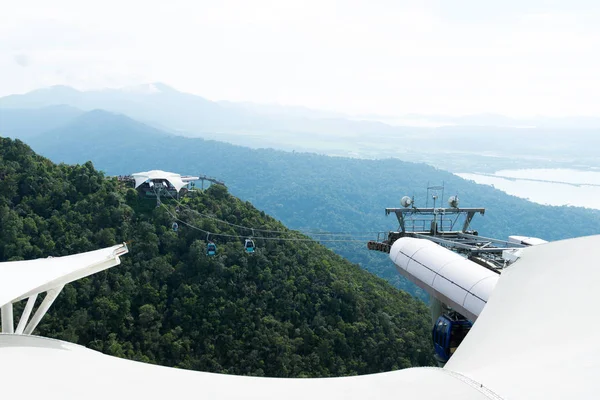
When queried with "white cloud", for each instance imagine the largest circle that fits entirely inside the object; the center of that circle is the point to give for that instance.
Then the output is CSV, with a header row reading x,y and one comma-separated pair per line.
x,y
22,59
378,56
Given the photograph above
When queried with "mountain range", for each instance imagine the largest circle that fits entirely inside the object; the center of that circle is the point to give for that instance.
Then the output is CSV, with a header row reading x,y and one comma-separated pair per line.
x,y
464,146
305,191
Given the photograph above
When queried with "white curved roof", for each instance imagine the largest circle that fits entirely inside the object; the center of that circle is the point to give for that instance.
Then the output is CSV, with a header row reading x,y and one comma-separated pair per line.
x,y
538,333
21,279
65,371
173,178
536,338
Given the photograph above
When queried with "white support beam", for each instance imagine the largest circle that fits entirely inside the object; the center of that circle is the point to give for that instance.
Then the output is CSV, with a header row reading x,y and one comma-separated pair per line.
x,y
22,279
8,325
51,295
26,314
26,279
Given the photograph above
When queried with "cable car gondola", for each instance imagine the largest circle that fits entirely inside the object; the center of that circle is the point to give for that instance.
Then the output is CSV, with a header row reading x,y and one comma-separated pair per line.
x,y
211,249
249,246
175,227
448,332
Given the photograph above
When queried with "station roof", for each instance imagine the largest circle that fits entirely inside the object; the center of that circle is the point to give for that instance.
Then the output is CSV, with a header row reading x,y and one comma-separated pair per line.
x,y
173,178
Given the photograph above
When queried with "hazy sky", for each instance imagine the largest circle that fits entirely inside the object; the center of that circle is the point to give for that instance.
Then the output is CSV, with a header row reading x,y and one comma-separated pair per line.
x,y
515,57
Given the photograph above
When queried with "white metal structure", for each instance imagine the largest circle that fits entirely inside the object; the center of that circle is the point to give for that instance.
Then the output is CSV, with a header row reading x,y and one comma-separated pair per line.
x,y
449,277
535,339
21,280
530,241
188,179
174,179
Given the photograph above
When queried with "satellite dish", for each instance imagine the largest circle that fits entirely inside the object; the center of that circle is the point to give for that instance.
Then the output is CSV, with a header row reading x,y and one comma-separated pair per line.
x,y
453,201
406,201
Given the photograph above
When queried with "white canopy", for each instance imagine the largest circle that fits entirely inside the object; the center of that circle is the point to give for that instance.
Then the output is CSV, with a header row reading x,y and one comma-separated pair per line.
x,y
27,279
173,178
21,279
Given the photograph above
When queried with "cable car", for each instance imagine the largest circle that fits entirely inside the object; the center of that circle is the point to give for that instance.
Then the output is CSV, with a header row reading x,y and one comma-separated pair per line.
x,y
211,249
175,227
448,332
249,246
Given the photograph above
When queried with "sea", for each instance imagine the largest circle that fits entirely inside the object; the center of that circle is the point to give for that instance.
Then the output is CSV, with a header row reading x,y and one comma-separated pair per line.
x,y
557,187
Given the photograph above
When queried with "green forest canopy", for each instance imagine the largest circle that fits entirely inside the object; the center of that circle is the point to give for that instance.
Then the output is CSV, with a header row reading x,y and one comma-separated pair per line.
x,y
292,309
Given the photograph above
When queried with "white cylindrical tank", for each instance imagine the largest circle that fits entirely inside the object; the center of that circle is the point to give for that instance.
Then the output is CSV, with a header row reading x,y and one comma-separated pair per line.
x,y
461,284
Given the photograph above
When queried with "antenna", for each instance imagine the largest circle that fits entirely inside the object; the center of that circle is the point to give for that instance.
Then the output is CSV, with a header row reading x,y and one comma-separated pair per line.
x,y
453,201
406,202
434,195
434,191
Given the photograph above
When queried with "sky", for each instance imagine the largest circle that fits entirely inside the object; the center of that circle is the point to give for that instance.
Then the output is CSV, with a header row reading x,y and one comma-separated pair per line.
x,y
518,58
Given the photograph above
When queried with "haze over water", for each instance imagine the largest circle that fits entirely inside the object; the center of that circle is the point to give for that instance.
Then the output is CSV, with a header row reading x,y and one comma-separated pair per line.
x,y
555,187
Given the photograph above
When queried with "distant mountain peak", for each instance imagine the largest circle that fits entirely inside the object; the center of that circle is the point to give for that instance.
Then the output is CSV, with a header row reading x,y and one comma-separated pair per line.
x,y
98,112
106,118
105,123
54,90
148,88
62,88
163,87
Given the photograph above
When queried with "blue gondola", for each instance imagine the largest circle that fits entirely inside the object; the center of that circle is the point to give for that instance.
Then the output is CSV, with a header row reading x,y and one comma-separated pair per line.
x,y
249,246
448,332
211,249
175,227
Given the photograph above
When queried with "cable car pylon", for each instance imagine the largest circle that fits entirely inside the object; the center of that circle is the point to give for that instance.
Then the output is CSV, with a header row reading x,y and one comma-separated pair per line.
x,y
437,250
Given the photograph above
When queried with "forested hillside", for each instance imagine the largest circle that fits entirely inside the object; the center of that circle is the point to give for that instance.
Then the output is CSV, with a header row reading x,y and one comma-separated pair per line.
x,y
291,309
308,191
